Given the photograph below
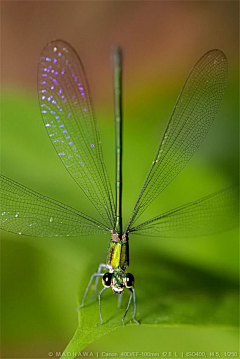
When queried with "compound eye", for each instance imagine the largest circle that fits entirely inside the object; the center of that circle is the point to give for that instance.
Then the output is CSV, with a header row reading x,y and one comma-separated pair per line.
x,y
129,280
107,279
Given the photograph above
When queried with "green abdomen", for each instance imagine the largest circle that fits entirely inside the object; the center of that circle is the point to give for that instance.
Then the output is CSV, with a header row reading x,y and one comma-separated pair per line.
x,y
118,252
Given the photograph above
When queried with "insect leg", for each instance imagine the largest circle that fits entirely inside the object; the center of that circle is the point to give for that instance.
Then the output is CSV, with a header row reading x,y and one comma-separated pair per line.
x,y
88,286
134,306
129,302
99,302
100,267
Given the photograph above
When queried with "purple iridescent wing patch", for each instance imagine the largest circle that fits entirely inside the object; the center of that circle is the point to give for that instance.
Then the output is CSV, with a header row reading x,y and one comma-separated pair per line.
x,y
67,112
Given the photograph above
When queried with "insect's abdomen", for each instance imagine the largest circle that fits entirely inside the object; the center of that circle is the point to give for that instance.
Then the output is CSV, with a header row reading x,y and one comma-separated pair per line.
x,y
118,252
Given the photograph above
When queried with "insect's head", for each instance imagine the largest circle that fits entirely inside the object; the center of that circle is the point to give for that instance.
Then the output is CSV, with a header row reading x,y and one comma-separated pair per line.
x,y
118,280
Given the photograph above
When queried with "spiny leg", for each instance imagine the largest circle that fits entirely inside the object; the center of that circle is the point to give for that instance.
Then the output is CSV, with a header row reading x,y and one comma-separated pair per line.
x,y
132,290
134,307
99,303
129,302
88,286
101,265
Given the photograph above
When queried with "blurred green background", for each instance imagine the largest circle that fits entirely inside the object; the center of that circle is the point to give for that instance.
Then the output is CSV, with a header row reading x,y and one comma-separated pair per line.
x,y
193,283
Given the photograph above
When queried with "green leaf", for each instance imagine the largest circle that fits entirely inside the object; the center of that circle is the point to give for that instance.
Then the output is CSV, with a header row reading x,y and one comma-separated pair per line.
x,y
174,294
89,330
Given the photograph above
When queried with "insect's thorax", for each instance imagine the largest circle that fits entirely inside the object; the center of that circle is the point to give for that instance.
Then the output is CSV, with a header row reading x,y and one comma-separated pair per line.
x,y
118,252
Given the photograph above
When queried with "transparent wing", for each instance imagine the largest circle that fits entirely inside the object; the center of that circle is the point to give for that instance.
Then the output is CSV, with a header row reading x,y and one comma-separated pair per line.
x,y
215,213
24,211
67,112
189,123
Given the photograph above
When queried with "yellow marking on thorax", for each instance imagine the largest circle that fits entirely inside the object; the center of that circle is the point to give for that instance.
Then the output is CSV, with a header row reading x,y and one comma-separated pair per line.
x,y
118,252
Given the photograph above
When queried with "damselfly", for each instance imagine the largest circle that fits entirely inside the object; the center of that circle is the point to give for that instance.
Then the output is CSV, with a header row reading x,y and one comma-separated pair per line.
x,y
67,112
